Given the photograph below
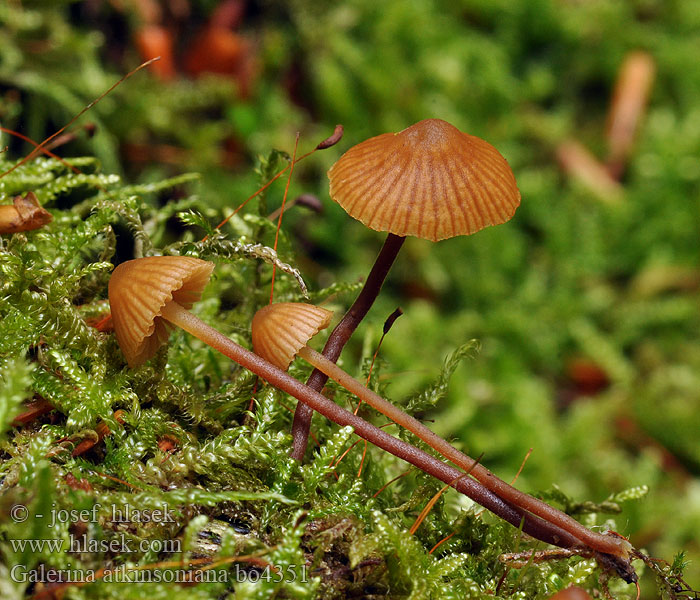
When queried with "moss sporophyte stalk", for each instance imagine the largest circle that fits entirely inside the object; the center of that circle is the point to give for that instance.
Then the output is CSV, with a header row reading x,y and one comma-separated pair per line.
x,y
149,295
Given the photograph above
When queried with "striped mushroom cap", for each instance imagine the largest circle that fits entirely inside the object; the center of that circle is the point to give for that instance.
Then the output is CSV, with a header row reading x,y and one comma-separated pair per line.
x,y
430,181
280,330
138,290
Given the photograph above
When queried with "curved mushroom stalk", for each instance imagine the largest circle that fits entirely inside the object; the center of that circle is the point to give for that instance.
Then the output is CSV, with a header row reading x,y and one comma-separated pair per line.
x,y
431,181
281,331
342,333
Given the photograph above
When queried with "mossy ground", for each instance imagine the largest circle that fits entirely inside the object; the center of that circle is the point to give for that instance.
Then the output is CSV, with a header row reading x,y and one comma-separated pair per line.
x,y
570,281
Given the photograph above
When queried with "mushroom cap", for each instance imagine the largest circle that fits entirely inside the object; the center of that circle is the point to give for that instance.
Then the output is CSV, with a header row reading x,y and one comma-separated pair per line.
x,y
430,180
571,593
25,214
280,330
140,288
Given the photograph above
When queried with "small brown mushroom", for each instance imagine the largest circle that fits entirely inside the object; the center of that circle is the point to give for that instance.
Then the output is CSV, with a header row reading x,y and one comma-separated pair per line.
x,y
282,330
431,181
571,593
24,214
140,289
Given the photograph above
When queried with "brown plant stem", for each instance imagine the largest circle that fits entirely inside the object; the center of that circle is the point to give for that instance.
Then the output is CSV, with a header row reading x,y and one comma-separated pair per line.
x,y
596,541
531,524
340,336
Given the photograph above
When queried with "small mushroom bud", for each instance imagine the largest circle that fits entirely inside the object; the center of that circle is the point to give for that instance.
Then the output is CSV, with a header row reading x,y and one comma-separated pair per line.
x,y
24,214
571,593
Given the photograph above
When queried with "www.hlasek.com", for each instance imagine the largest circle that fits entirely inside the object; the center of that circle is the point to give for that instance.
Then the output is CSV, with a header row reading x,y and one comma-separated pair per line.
x,y
66,542
121,544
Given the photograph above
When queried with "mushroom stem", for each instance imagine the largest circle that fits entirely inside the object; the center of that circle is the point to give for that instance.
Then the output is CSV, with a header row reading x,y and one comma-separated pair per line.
x,y
341,334
596,541
531,524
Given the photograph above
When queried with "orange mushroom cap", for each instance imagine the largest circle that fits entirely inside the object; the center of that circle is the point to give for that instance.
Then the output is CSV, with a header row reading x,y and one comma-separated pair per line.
x,y
280,330
138,290
430,180
571,593
24,214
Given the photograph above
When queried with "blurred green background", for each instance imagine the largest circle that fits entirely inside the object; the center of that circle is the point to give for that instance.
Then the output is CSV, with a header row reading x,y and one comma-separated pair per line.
x,y
586,304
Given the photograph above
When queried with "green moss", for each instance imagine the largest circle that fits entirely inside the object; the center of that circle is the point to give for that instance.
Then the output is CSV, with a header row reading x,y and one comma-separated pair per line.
x,y
568,277
221,463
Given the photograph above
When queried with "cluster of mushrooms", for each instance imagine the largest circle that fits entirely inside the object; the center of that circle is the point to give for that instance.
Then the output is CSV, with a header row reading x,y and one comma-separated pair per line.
x,y
431,181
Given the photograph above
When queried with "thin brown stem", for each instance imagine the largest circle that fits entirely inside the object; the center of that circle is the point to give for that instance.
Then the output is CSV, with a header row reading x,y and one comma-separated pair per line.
x,y
41,145
596,541
340,336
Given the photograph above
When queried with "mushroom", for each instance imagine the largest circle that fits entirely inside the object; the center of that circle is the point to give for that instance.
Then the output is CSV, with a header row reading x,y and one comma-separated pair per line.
x,y
571,593
143,291
24,214
430,181
281,331
149,295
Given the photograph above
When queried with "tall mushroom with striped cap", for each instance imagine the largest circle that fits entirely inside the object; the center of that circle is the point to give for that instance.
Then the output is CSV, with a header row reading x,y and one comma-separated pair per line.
x,y
430,181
